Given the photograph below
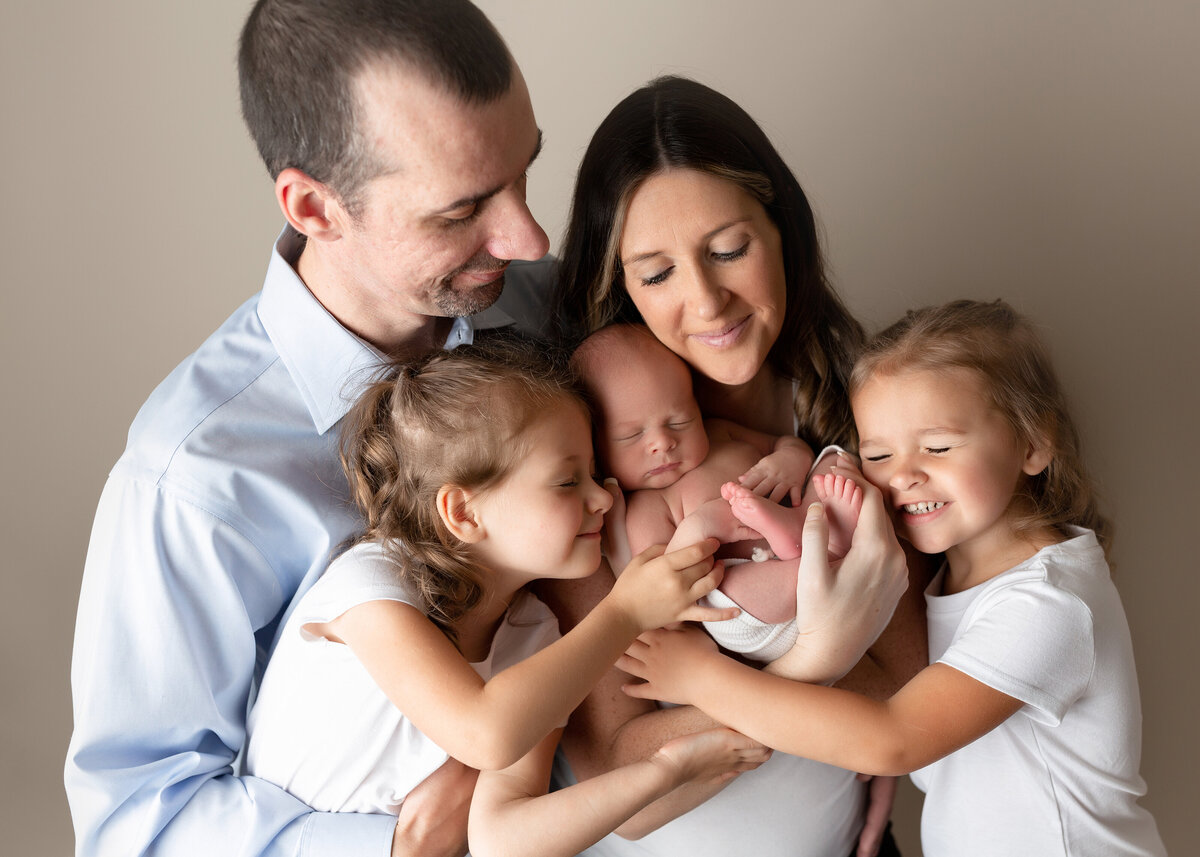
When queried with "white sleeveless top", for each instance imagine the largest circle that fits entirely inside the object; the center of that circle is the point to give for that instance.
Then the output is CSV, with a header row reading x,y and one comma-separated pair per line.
x,y
323,730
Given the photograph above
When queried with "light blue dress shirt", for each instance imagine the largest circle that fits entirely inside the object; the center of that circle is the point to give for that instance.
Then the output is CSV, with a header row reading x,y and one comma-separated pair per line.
x,y
224,508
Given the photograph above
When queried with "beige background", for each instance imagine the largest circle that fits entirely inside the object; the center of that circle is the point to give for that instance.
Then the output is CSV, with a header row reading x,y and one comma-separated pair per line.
x,y
1041,151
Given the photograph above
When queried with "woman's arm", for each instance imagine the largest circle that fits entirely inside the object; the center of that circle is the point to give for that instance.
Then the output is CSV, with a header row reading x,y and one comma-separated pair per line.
x,y
933,715
511,812
843,611
902,650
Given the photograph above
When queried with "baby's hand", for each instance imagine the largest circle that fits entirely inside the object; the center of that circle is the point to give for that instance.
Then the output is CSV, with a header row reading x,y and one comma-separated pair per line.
x,y
669,662
712,756
658,588
780,474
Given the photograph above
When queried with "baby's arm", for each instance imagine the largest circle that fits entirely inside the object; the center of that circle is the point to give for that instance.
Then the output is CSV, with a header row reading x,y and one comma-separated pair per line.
x,y
511,813
783,467
938,712
489,725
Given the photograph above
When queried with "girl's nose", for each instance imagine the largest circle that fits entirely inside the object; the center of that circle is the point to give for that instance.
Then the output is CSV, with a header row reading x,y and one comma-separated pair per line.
x,y
906,477
599,501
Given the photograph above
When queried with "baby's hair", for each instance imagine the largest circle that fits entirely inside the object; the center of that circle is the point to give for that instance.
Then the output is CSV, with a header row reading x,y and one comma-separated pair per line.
x,y
451,418
1004,350
596,351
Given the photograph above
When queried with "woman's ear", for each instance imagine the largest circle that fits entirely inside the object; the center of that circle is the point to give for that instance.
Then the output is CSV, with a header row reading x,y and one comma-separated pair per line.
x,y
457,509
309,206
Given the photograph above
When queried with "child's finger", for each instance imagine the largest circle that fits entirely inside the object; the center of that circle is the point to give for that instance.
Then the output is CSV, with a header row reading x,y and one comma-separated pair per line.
x,y
693,555
709,614
631,665
639,690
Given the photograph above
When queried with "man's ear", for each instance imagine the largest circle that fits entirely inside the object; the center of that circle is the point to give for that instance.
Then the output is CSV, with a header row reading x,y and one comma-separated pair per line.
x,y
1038,456
309,206
456,508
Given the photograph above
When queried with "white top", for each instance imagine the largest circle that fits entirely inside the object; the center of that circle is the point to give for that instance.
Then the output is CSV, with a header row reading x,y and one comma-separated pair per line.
x,y
322,728
788,807
1059,777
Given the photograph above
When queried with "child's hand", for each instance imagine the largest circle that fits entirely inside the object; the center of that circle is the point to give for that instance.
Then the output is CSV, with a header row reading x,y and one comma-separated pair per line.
x,y
669,662
780,474
710,757
615,536
659,588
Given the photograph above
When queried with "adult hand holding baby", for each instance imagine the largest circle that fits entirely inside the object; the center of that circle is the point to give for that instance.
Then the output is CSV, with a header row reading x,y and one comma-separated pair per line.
x,y
841,608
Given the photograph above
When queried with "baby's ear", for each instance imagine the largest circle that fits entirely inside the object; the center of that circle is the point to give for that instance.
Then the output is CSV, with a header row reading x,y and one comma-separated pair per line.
x,y
456,508
1038,455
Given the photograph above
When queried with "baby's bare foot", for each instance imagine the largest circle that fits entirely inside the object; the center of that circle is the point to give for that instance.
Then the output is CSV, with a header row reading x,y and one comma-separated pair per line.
x,y
781,526
843,500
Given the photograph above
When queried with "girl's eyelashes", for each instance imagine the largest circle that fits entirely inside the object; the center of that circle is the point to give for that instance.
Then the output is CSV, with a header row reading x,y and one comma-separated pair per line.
x,y
937,450
883,456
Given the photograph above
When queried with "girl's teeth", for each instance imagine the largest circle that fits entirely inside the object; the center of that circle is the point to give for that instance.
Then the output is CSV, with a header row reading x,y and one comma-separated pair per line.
x,y
922,508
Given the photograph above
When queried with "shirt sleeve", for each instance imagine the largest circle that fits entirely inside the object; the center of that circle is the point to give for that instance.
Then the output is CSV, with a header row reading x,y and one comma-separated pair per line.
x,y
164,660
1031,640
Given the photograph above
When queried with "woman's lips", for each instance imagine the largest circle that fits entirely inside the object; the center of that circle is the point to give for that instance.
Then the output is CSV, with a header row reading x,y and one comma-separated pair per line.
x,y
724,336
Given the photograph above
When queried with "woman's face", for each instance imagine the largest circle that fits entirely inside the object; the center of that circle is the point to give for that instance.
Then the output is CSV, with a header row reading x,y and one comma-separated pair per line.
x,y
704,266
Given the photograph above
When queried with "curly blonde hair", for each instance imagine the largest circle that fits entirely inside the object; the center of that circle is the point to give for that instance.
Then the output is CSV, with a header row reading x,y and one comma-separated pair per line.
x,y
451,418
1004,350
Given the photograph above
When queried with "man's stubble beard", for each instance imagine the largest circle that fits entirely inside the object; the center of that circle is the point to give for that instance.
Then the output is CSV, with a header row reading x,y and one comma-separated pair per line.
x,y
454,303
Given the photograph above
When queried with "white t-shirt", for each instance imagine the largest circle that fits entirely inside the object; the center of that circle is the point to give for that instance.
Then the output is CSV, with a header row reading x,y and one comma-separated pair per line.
x,y
323,730
1059,777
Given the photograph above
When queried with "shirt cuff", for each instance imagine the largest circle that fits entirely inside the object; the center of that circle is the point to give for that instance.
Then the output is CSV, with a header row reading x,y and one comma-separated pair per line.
x,y
348,834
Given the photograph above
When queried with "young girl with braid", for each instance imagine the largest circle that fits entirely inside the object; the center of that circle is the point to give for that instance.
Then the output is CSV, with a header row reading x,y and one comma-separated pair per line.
x,y
473,472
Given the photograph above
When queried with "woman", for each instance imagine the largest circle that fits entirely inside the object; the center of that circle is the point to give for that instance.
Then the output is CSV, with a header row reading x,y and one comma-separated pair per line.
x,y
686,218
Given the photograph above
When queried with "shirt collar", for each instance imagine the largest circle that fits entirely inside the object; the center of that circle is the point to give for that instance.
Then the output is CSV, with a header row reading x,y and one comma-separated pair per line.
x,y
328,363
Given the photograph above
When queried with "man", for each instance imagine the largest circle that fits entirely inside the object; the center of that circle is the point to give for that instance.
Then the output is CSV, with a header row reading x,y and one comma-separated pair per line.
x,y
399,135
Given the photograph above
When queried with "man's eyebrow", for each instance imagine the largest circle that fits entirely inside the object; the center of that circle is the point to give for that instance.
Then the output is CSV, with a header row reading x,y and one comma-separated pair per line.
x,y
478,198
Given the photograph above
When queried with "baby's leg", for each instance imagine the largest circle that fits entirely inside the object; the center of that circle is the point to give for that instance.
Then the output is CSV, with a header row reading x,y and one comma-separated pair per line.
x,y
781,526
842,499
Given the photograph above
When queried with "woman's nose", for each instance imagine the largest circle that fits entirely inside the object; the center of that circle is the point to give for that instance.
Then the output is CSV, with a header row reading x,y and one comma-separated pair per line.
x,y
706,296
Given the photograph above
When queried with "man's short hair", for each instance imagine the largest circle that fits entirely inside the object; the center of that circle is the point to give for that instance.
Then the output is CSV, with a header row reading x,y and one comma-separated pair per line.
x,y
298,61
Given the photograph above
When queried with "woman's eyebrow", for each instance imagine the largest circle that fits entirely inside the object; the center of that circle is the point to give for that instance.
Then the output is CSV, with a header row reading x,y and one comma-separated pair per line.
x,y
641,257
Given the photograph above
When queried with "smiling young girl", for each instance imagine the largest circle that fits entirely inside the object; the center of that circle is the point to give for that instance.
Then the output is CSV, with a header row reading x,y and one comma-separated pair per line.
x,y
473,471
1025,732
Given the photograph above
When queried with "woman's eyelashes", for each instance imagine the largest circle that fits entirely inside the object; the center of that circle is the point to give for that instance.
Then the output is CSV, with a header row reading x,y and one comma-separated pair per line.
x,y
715,255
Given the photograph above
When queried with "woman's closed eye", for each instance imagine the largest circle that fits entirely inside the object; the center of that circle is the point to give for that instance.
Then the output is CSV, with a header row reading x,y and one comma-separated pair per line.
x,y
732,255
656,279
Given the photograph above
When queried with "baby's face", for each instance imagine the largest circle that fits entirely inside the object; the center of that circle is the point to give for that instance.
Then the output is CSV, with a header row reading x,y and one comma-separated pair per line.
x,y
650,432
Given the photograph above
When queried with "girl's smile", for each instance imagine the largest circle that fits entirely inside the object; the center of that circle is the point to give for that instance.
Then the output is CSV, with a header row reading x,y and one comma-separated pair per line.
x,y
948,463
